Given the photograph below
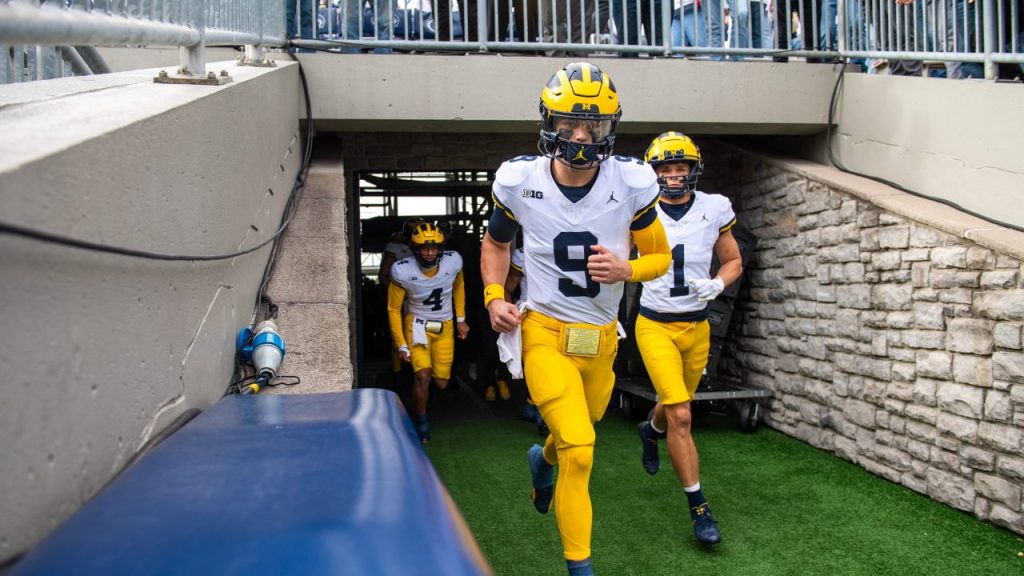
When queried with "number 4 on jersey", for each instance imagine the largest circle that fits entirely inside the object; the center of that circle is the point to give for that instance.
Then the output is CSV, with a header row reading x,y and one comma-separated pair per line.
x,y
434,300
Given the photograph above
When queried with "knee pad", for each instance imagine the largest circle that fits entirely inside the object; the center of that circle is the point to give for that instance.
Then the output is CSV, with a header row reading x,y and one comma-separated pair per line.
x,y
576,460
575,431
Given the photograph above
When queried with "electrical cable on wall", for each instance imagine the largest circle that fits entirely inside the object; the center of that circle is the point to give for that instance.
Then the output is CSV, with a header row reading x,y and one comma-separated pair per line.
x,y
289,212
290,208
839,165
241,382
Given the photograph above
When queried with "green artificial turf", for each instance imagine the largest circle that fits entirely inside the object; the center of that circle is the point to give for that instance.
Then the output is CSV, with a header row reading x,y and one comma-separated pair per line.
x,y
783,507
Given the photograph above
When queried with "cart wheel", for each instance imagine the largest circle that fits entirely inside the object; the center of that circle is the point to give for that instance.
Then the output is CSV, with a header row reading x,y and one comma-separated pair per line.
x,y
750,416
626,405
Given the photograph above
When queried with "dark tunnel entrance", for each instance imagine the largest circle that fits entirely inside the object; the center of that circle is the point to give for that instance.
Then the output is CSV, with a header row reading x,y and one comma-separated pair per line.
x,y
459,201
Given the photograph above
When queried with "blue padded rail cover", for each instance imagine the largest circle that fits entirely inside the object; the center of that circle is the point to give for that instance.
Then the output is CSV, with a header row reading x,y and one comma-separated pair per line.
x,y
273,484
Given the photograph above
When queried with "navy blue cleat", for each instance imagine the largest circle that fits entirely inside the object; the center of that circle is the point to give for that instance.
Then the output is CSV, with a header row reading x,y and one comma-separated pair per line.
x,y
423,430
580,567
542,474
704,526
650,457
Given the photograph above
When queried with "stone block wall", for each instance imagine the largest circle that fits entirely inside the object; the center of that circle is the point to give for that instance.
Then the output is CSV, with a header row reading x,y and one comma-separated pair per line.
x,y
886,340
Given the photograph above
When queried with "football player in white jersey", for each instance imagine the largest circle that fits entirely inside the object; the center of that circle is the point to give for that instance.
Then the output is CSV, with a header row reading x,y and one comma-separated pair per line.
x,y
397,248
672,331
580,209
428,285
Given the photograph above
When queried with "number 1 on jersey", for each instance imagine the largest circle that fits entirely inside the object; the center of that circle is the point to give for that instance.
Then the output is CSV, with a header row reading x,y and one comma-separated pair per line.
x,y
679,271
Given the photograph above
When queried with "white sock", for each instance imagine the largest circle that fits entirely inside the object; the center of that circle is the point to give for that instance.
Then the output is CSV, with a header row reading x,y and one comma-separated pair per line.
x,y
693,488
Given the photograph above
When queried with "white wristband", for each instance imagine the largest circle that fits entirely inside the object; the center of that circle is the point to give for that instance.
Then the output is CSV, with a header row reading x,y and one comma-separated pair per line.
x,y
460,318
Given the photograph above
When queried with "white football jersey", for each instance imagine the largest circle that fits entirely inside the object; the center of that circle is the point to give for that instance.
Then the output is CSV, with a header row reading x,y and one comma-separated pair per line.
x,y
558,233
399,250
429,298
692,240
517,263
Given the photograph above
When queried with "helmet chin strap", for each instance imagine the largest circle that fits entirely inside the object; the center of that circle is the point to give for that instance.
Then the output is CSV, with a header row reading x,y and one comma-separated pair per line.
x,y
672,193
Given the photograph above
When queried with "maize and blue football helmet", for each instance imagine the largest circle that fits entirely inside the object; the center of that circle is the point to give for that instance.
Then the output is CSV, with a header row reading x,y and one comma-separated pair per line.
x,y
424,235
672,147
579,94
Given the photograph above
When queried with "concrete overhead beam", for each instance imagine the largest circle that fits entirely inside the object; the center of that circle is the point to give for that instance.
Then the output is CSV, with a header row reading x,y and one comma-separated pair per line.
x,y
414,93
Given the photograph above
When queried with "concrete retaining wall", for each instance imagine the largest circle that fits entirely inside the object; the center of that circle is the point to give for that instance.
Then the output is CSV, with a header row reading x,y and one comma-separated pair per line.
x,y
100,351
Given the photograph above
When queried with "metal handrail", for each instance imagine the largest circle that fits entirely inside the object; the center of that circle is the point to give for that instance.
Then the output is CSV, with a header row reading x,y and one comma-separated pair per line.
x,y
937,30
47,25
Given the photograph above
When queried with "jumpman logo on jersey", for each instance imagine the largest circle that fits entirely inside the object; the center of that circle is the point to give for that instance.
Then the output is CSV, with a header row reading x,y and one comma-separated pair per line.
x,y
611,198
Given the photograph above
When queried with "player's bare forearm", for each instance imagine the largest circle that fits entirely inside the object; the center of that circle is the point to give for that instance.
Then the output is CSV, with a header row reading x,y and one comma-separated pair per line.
x,y
494,262
728,252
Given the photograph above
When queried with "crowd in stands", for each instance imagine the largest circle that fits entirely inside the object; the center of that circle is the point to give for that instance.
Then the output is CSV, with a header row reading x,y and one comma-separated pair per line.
x,y
743,29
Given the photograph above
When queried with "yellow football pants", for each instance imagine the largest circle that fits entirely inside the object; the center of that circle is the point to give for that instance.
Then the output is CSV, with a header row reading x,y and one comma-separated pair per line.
x,y
437,354
675,354
571,393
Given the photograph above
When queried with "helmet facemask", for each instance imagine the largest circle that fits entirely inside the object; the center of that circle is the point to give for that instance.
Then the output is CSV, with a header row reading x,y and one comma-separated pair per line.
x,y
689,182
558,130
422,260
426,235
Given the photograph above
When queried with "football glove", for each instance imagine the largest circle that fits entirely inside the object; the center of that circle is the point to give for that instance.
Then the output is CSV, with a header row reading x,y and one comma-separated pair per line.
x,y
707,289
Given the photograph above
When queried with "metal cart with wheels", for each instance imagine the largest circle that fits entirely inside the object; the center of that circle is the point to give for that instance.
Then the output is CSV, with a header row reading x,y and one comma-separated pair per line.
x,y
634,389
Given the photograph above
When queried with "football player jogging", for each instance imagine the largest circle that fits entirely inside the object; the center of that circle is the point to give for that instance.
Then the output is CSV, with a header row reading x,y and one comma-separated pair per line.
x,y
397,248
672,331
580,210
429,284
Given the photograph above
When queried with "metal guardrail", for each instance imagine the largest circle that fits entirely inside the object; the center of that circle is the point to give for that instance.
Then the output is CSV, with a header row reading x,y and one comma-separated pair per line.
x,y
958,31
971,36
37,36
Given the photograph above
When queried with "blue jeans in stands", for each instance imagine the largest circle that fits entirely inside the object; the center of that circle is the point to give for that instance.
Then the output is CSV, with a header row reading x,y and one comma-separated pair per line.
x,y
691,30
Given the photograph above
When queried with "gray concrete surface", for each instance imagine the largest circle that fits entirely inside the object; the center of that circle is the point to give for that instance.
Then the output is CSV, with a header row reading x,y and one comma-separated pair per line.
x,y
955,140
388,92
101,352
312,287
